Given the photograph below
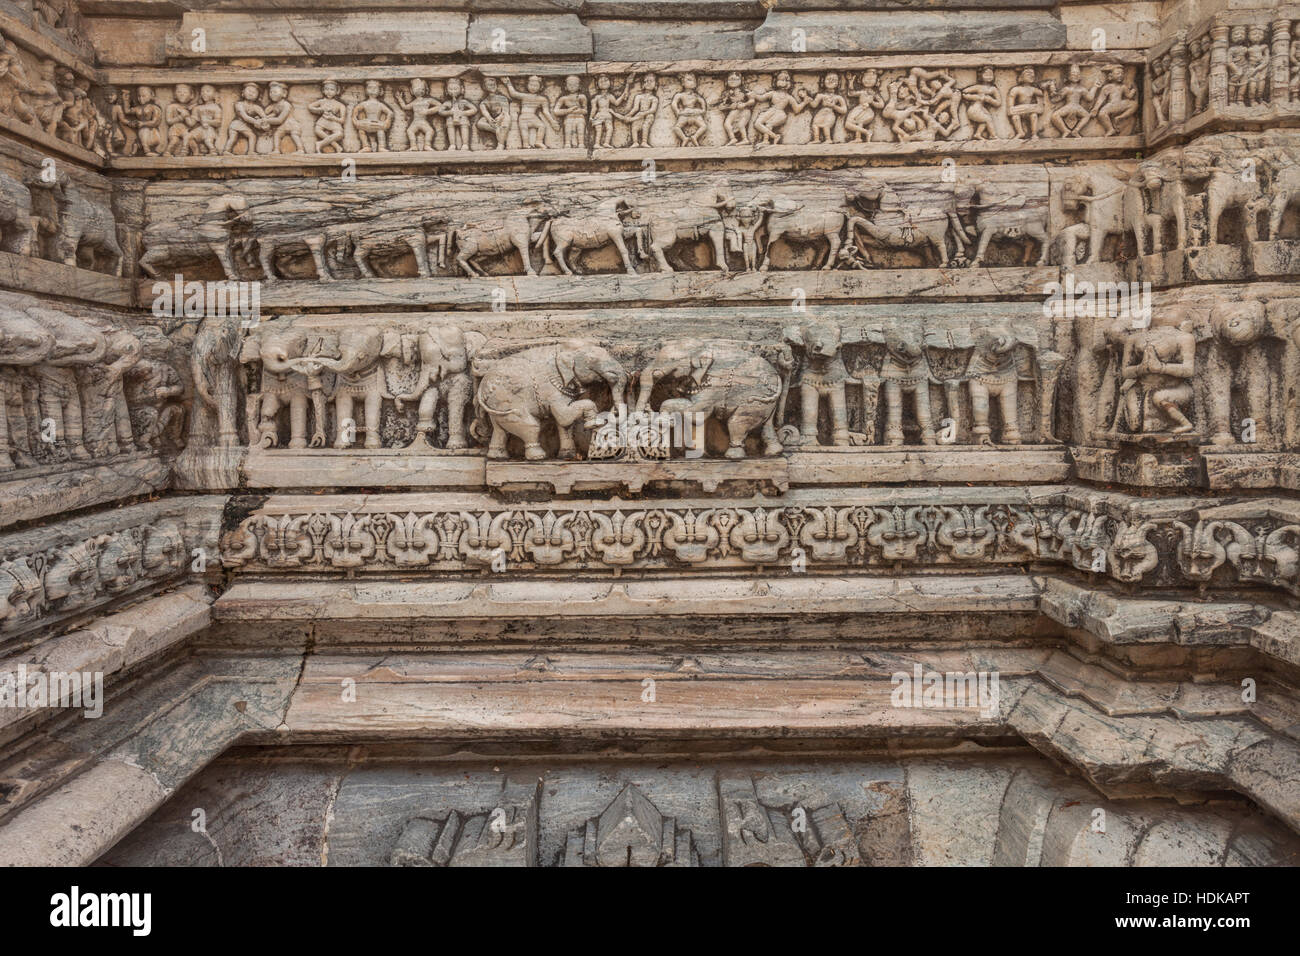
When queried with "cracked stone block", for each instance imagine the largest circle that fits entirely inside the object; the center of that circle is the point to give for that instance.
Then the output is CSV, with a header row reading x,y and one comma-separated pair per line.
x,y
689,40
529,35
238,35
829,31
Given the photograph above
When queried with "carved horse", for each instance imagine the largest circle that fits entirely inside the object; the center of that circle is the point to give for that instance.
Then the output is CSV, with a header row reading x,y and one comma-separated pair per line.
x,y
607,224
897,225
785,219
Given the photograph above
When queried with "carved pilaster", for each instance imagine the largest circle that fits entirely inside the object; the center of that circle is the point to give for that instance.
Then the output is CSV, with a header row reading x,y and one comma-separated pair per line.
x,y
1178,79
1219,66
1279,66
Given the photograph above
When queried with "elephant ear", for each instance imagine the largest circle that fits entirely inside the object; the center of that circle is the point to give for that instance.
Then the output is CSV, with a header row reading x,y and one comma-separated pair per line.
x,y
251,349
701,362
1026,335
959,338
566,363
473,342
394,344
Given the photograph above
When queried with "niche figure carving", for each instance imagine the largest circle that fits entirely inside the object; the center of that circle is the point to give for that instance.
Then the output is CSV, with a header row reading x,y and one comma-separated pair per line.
x,y
1156,368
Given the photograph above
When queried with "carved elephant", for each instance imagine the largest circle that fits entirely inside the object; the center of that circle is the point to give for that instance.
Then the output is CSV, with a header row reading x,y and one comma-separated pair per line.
x,y
1168,196
358,374
1239,354
76,345
1284,189
823,376
165,241
277,225
275,344
606,225
896,224
156,392
85,224
725,380
214,365
445,353
518,392
995,372
240,234
904,369
106,415
17,229
361,246
24,342
1227,187
394,225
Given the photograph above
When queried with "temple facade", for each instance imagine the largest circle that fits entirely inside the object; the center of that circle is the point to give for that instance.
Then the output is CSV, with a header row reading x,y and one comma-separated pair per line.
x,y
675,432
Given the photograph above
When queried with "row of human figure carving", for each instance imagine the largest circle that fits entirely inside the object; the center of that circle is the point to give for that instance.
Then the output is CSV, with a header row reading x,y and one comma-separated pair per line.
x,y
66,578
521,390
74,392
1232,66
53,99
485,112
1236,65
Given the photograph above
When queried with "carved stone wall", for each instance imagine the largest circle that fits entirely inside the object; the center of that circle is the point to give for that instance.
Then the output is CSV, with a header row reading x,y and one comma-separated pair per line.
x,y
556,375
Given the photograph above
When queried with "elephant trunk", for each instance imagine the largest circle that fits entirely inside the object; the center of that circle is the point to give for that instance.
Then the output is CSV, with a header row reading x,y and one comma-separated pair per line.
x,y
277,362
421,384
357,353
618,387
648,379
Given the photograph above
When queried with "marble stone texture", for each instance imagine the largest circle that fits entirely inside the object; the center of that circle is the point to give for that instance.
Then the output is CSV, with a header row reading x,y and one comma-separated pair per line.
x,y
370,579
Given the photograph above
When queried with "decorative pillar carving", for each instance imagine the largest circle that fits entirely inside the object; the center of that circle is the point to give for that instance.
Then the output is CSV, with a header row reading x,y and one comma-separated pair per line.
x,y
1219,66
1280,73
1178,78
